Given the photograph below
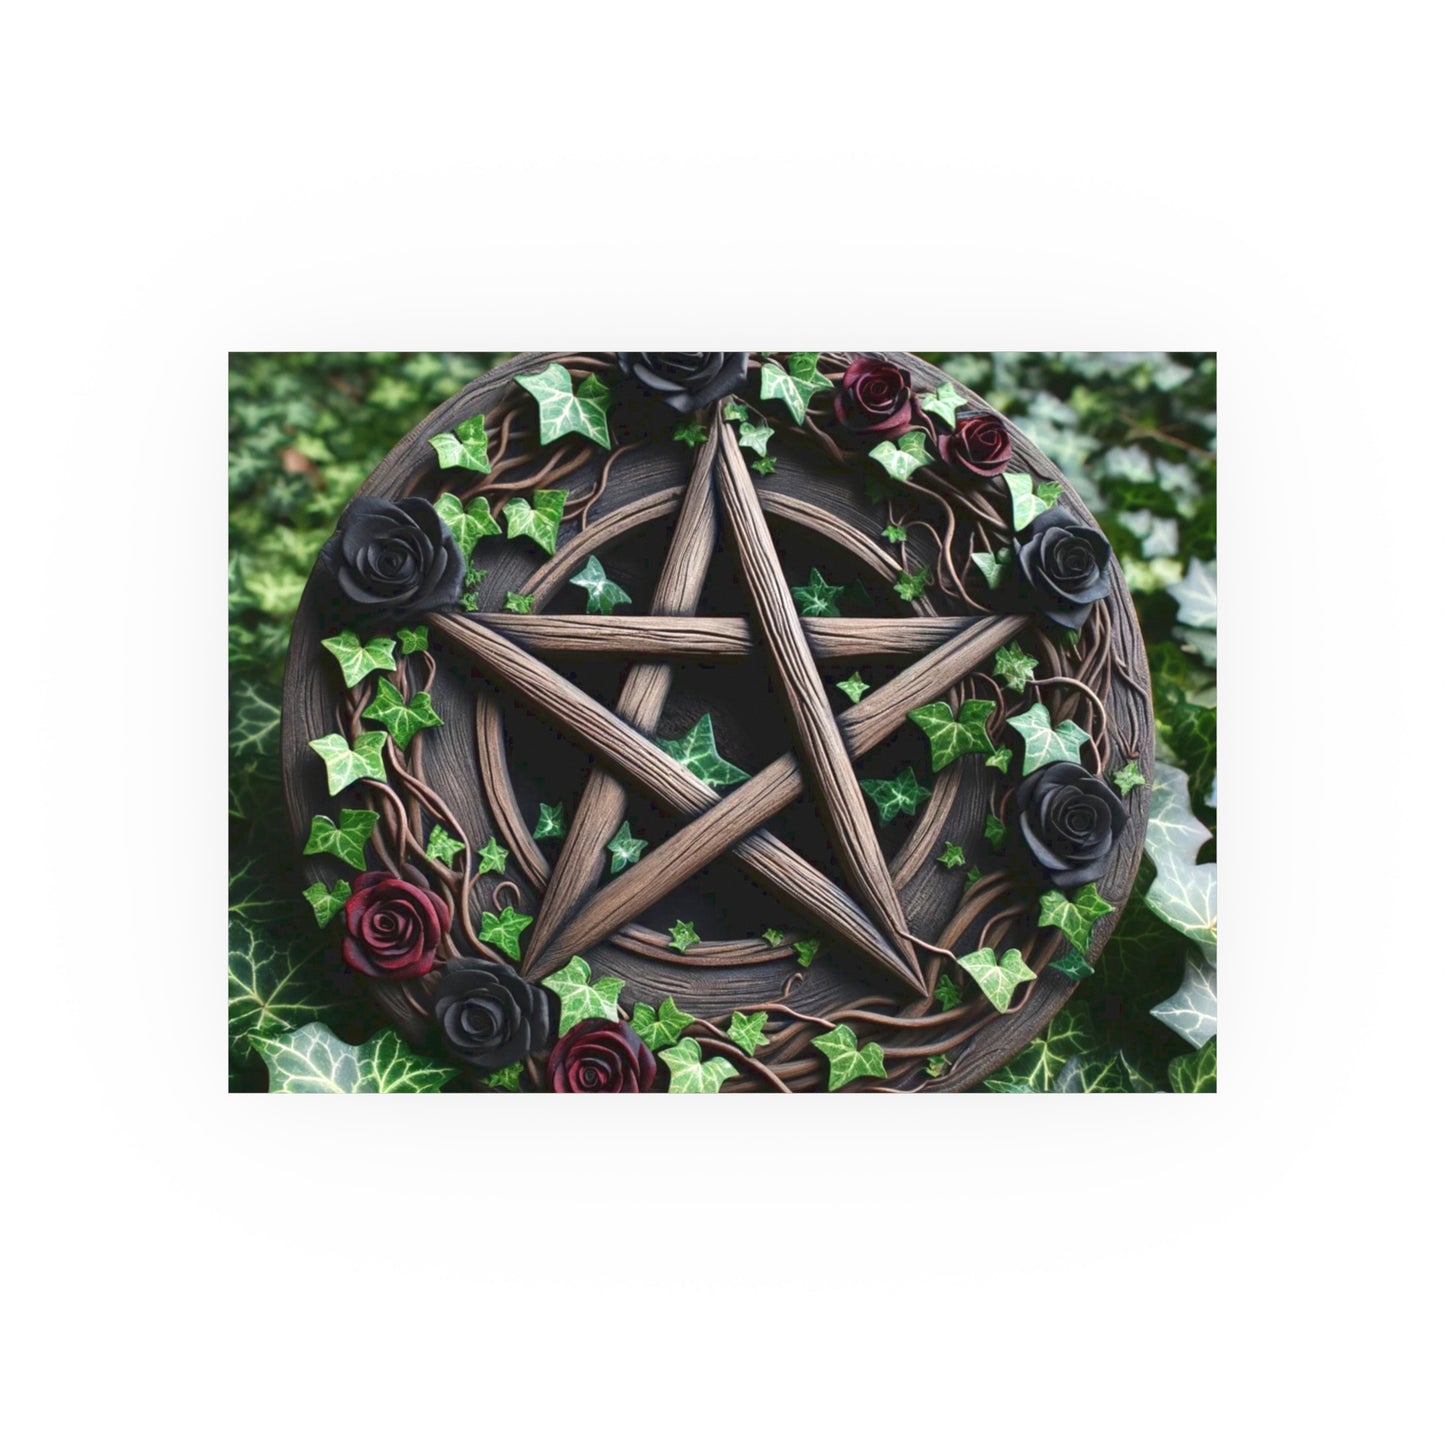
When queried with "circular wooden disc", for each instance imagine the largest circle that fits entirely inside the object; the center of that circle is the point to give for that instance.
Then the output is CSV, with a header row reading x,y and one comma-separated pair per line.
x,y
498,757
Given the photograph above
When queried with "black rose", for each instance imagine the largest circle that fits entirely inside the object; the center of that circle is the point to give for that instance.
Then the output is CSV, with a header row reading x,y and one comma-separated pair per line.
x,y
489,1015
685,380
394,556
1070,819
1065,566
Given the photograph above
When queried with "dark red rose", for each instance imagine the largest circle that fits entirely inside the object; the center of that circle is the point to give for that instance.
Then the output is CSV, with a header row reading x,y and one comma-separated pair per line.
x,y
598,1056
393,925
874,399
980,442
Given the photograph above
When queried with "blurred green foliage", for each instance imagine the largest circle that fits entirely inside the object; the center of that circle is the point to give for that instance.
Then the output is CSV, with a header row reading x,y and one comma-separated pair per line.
x,y
1133,432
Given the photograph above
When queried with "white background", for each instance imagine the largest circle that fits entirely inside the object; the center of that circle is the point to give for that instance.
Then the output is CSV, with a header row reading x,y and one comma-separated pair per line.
x,y
184,1265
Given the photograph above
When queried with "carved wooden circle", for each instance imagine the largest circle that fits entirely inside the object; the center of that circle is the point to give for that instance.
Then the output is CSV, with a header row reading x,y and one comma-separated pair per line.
x,y
540,708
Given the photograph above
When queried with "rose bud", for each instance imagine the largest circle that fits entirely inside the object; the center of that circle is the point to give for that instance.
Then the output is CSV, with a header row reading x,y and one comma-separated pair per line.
x,y
685,380
393,925
394,556
1063,566
599,1056
979,442
489,1015
1070,820
874,399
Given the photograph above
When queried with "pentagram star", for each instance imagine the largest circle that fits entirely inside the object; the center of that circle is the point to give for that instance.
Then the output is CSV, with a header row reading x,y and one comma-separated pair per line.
x,y
574,913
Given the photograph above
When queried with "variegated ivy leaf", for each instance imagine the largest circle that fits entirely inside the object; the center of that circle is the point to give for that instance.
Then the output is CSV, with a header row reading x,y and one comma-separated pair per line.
x,y
1192,1010
1184,895
492,858
746,1031
690,432
1074,918
735,411
697,752
1000,759
997,977
505,930
1034,1070
441,845
1072,965
519,602
853,687
755,437
943,403
347,839
689,1073
796,386
1043,742
624,848
269,989
1197,594
467,448
580,996
910,586
950,736
312,1060
1129,777
327,905
947,994
537,519
902,458
508,1080
683,936
1172,829
345,765
1196,1073
412,639
1015,666
357,661
892,796
403,719
603,594
561,411
660,1027
817,598
468,525
764,466
846,1061
993,564
806,950
1101,1071
952,856
550,822
1027,506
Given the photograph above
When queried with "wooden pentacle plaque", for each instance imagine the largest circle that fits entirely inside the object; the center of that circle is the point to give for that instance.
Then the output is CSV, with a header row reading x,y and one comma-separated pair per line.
x,y
714,721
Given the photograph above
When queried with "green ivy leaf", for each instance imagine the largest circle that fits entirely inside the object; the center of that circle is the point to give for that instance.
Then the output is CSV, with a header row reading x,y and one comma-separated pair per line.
x,y
357,661
346,840
550,822
746,1031
902,459
895,534
387,1062
537,519
508,1080
661,1027
1197,594
1000,760
580,996
774,936
735,411
683,936
1038,1065
936,1066
1043,743
327,905
697,752
997,977
951,736
1073,965
467,448
519,602
692,433
492,858
853,687
1073,918
690,1074
412,639
806,950
1049,493
625,849
755,437
602,593
1192,1010
947,995
402,719
994,831
952,856
468,526
764,466
971,877
817,598
269,989
1129,777
910,586
1026,505
505,930
1015,666
343,766
797,386
943,403
993,564
560,411
846,1061
897,795
441,845
1196,1073
312,1060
